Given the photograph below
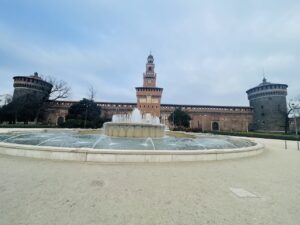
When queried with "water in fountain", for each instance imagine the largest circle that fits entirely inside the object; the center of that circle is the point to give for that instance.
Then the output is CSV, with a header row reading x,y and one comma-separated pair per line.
x,y
151,141
77,140
105,141
96,142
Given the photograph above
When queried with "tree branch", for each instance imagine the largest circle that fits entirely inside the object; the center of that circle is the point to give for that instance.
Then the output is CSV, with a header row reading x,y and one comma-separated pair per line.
x,y
91,93
60,89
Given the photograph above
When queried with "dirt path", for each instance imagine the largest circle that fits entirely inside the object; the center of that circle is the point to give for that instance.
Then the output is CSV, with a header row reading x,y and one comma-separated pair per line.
x,y
37,192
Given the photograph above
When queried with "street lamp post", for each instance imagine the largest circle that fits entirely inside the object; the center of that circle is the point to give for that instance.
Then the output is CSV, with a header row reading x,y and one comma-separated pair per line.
x,y
296,131
174,118
85,118
296,127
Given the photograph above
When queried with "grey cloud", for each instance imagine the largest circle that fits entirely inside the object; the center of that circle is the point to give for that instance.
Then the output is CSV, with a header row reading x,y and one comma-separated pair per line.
x,y
206,52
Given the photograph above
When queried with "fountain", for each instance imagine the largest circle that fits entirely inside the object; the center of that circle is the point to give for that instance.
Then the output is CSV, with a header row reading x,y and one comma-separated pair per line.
x,y
128,138
98,147
134,125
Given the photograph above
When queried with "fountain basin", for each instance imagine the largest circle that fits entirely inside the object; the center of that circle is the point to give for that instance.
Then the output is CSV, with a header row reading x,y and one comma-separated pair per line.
x,y
71,145
134,130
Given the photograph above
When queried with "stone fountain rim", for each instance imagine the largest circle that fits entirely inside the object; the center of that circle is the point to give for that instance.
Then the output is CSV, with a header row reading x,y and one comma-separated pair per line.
x,y
119,151
127,156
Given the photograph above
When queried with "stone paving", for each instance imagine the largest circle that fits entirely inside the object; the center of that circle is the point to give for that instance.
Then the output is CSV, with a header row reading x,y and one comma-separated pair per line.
x,y
263,189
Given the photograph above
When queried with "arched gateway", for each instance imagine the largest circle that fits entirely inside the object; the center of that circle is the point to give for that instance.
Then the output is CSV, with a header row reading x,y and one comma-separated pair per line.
x,y
215,126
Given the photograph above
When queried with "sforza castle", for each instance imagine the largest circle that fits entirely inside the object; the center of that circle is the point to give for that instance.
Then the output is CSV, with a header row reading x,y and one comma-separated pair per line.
x,y
266,112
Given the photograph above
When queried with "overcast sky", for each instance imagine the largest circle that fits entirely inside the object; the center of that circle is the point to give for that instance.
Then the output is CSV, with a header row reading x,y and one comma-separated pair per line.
x,y
206,52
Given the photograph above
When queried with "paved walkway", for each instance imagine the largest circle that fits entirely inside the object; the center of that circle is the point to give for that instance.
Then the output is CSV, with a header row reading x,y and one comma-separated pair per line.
x,y
264,189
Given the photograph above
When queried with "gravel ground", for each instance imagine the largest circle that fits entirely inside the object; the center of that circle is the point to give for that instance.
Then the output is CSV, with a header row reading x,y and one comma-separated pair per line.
x,y
57,192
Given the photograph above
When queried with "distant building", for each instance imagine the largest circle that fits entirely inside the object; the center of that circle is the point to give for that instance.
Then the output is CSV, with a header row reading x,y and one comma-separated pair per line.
x,y
268,101
31,85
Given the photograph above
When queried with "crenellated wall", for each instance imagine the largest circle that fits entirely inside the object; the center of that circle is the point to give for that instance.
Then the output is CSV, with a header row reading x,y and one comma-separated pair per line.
x,y
206,118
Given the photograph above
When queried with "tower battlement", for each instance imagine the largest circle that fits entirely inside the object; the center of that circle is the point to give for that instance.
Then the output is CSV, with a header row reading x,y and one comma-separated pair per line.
x,y
33,85
269,103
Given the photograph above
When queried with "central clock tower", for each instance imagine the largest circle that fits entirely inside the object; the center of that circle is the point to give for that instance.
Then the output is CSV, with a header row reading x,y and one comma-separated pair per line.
x,y
149,96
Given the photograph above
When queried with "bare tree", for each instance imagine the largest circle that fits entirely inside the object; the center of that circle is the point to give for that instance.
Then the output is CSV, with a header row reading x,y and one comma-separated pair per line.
x,y
60,89
8,99
5,99
91,93
293,106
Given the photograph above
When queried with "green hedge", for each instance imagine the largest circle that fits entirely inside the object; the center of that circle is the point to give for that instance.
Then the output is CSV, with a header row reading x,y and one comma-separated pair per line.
x,y
261,135
26,126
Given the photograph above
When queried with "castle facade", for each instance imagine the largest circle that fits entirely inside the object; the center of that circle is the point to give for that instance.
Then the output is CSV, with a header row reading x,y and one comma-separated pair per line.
x,y
266,112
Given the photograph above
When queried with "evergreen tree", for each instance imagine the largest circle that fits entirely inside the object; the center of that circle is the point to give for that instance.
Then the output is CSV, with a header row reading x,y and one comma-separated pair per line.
x,y
84,114
23,109
179,118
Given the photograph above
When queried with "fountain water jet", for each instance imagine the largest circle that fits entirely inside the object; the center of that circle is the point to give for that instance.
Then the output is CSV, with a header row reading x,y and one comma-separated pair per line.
x,y
151,141
134,125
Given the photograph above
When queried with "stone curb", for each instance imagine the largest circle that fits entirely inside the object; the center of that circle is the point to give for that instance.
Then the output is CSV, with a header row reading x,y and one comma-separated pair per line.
x,y
107,155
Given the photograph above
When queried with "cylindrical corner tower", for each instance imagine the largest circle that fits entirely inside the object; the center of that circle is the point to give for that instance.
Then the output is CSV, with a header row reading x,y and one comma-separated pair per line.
x,y
31,85
268,101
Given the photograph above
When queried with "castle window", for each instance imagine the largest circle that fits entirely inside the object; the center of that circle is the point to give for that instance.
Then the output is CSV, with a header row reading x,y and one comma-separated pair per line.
x,y
262,114
261,106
